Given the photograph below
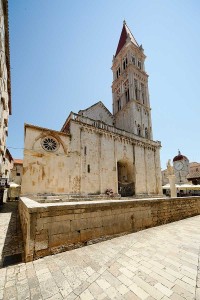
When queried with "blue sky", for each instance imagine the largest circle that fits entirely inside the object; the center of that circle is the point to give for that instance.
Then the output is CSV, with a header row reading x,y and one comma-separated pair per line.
x,y
61,55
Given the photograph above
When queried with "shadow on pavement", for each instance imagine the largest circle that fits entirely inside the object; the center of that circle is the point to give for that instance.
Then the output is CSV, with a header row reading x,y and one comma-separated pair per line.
x,y
11,241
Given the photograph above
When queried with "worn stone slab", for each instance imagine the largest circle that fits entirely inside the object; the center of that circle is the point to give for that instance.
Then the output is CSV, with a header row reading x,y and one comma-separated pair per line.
x,y
135,266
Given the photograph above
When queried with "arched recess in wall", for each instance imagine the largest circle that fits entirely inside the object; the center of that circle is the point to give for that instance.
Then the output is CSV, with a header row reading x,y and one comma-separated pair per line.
x,y
126,178
50,141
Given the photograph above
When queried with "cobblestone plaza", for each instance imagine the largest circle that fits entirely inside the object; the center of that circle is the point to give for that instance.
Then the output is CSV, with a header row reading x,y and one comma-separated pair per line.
x,y
156,263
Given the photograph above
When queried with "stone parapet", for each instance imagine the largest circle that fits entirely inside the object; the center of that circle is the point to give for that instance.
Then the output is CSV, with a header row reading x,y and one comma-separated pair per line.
x,y
49,228
98,125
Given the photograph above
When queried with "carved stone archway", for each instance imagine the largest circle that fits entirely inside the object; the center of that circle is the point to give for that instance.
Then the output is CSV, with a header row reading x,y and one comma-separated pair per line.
x,y
126,178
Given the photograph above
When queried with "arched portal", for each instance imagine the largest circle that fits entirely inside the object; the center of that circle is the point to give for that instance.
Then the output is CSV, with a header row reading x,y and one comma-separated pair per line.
x,y
126,178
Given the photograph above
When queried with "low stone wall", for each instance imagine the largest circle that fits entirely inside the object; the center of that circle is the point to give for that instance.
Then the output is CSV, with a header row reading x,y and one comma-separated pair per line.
x,y
51,228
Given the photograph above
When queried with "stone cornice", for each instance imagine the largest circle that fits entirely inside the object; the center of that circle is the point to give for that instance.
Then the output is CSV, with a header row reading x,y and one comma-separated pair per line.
x,y
141,75
124,51
45,129
124,136
138,103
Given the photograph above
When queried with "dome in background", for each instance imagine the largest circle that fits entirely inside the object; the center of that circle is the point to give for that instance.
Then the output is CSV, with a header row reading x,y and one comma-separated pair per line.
x,y
179,157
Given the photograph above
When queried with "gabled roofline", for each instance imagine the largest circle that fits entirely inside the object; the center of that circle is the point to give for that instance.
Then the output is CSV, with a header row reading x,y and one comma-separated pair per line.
x,y
99,102
42,128
66,121
18,161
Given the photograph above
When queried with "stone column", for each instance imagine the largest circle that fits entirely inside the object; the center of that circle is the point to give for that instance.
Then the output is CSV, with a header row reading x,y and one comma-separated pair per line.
x,y
172,181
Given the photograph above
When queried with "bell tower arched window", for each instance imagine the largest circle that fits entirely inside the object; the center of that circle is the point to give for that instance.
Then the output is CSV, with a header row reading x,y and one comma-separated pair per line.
x,y
136,89
119,104
139,64
133,60
125,62
118,72
143,93
127,95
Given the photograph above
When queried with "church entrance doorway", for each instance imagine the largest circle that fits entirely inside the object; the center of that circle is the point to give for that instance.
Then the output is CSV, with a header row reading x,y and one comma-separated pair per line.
x,y
126,184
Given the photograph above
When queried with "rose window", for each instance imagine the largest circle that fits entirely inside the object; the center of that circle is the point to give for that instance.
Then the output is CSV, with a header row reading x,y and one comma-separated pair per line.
x,y
49,144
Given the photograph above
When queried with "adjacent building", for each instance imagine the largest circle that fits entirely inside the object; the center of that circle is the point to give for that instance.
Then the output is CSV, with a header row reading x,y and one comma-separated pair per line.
x,y
184,171
5,89
98,150
194,173
16,172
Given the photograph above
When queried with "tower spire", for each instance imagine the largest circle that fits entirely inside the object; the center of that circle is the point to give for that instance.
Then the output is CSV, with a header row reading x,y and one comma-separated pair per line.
x,y
131,106
125,33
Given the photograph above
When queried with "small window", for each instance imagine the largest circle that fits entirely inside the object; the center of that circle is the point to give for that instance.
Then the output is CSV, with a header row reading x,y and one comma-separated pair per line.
x,y
85,150
136,89
146,133
139,64
125,62
127,95
18,174
119,104
139,130
118,72
143,93
133,60
88,168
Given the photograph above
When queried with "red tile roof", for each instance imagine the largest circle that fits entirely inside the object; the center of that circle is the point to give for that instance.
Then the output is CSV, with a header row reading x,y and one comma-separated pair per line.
x,y
18,161
179,157
122,41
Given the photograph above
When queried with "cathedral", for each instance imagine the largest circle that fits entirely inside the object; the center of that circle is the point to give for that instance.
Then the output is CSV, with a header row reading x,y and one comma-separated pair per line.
x,y
97,150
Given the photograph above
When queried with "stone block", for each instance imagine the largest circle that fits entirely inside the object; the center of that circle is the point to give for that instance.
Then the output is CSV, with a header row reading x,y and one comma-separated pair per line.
x,y
64,239
107,221
64,217
79,224
41,253
41,240
95,222
58,227
108,230
87,234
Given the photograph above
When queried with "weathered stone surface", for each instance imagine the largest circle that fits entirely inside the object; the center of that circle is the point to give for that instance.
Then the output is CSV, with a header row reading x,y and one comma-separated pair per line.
x,y
74,170
157,263
94,220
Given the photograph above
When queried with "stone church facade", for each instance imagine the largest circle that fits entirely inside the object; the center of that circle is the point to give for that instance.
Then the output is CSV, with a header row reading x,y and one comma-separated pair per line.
x,y
96,150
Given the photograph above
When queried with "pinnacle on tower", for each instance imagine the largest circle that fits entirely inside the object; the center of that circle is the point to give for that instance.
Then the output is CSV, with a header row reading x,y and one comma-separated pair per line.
x,y
125,33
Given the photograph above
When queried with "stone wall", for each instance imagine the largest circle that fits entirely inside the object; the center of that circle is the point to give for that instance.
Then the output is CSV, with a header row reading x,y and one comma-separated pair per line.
x,y
52,228
86,161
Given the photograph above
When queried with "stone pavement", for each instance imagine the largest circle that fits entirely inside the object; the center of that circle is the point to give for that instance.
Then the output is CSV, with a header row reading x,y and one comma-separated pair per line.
x,y
157,263
11,244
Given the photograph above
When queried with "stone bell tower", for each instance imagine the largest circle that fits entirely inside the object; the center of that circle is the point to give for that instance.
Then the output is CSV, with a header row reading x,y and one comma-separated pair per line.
x,y
131,107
